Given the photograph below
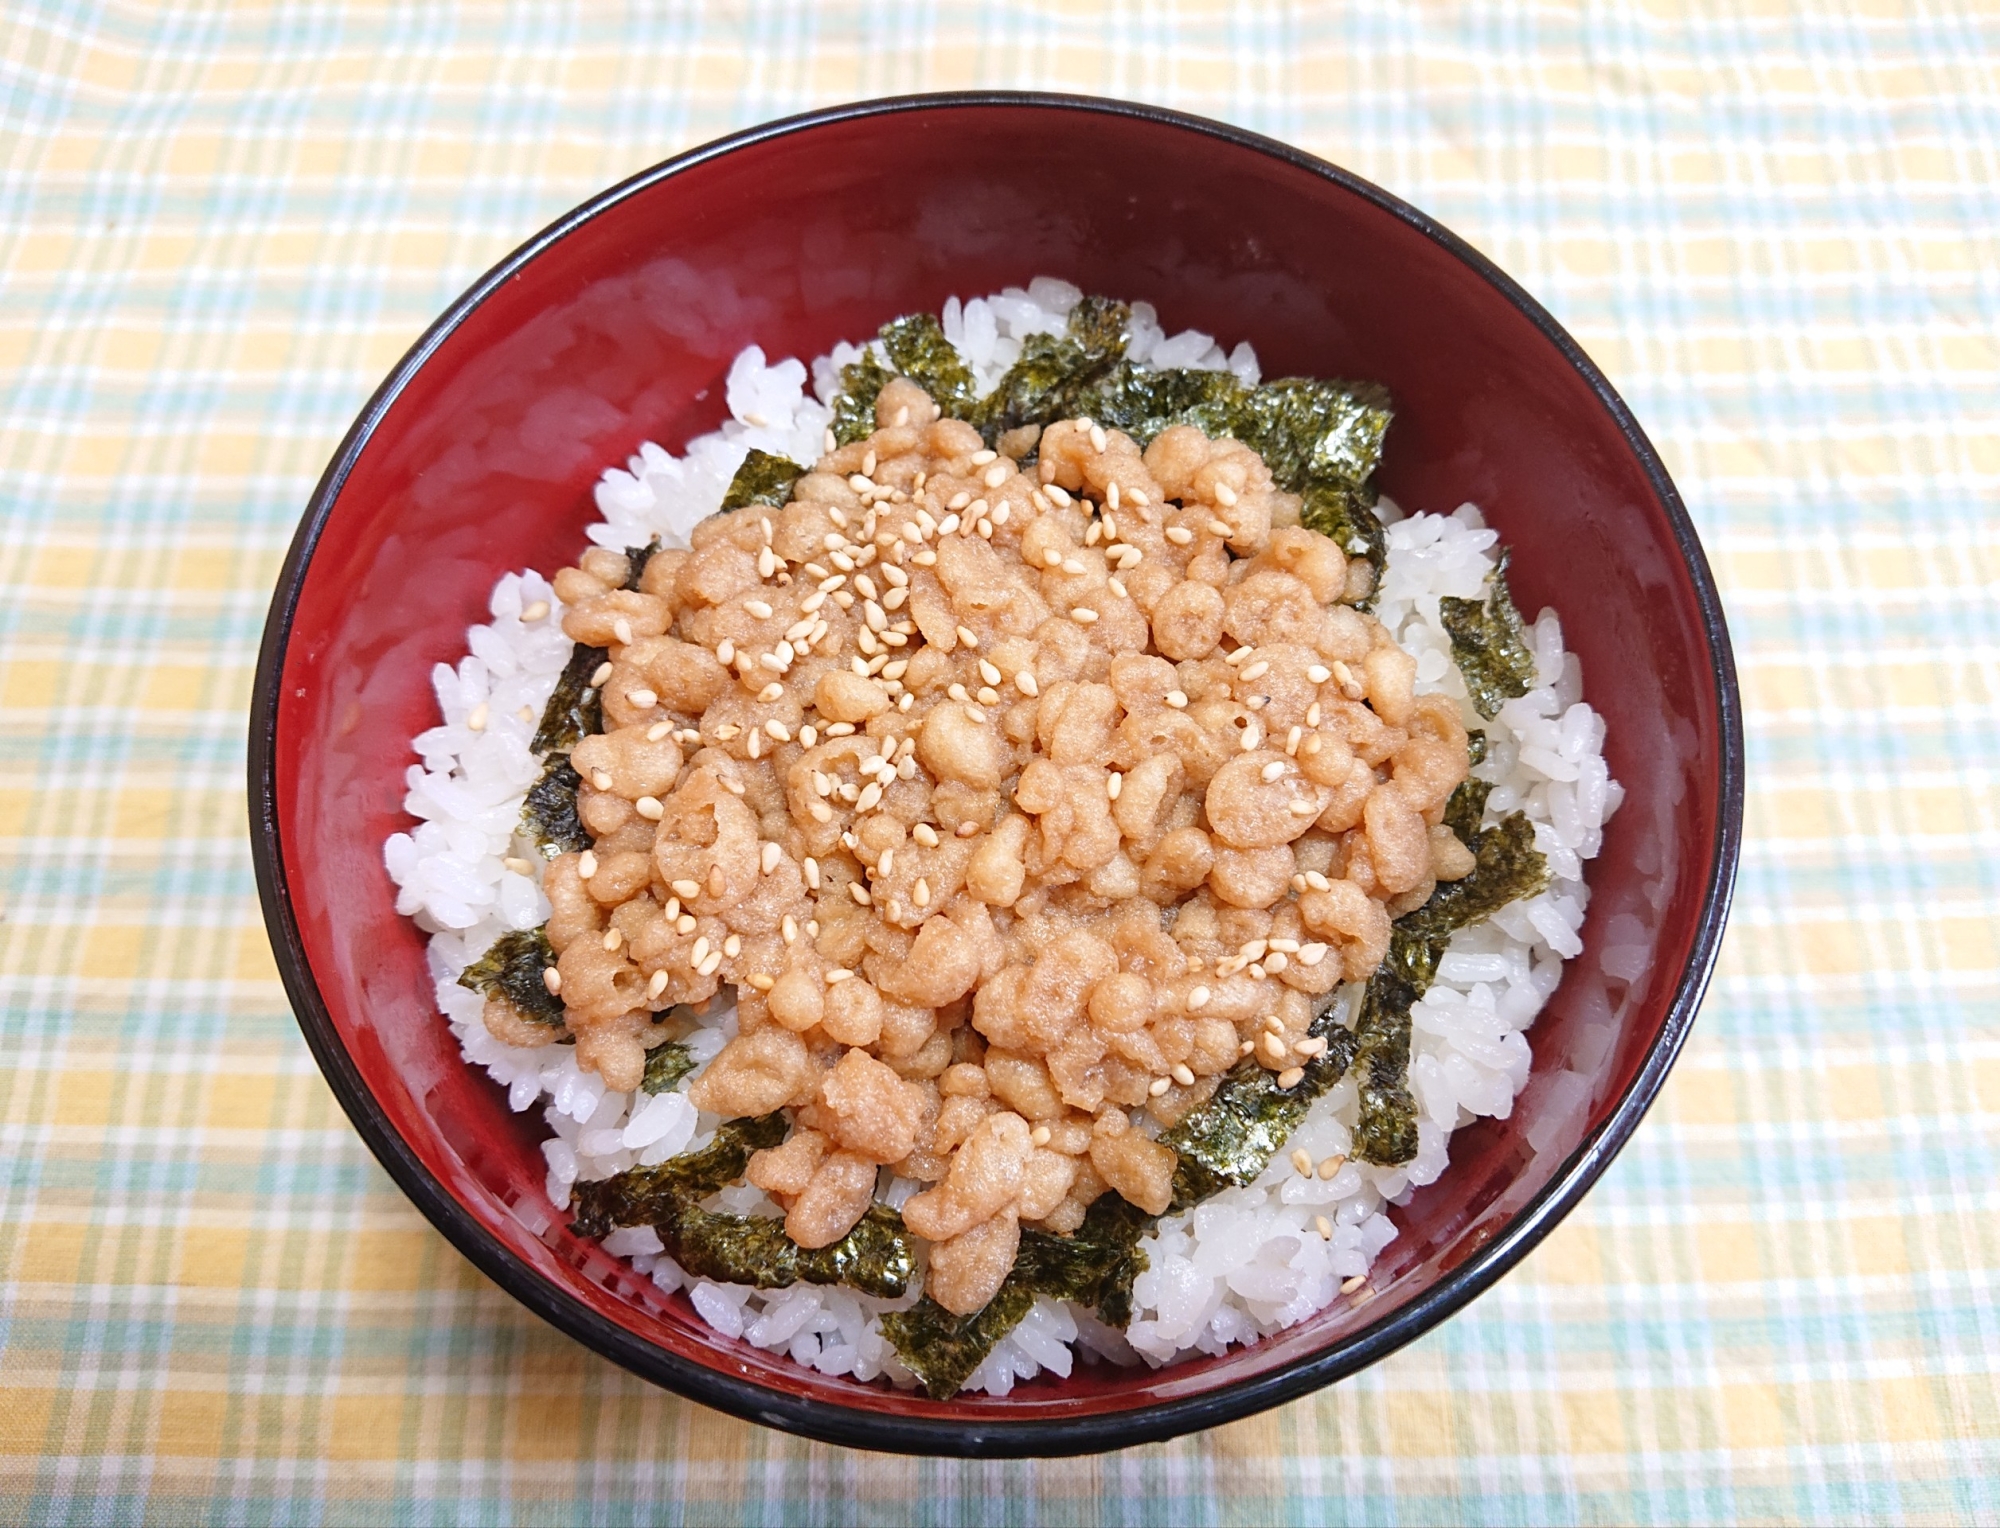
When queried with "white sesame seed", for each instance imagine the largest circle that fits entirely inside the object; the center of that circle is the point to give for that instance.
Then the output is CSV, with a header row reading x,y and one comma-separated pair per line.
x,y
1220,528
733,946
921,892
966,829
1304,809
996,474
1225,495
1179,535
838,975
1113,784
686,889
700,951
1177,699
1348,1286
870,795
812,873
768,857
1025,683
788,930
761,981
968,637
1328,1166
1040,1135
1198,998
709,966
1312,954
622,630
476,719
1097,437
1302,1161
518,866
613,938
1000,512
1157,1087
600,779
599,675
552,979
657,733
649,807
755,746
1183,1076
988,672
924,559
1052,558
1272,772
1083,615
925,834
1257,670
535,611
976,714
1071,566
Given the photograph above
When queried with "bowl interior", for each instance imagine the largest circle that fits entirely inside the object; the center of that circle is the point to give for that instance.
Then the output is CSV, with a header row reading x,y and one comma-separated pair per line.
x,y
480,456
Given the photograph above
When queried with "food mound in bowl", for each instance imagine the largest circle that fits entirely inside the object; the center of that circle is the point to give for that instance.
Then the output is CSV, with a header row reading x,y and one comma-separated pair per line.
x,y
1041,874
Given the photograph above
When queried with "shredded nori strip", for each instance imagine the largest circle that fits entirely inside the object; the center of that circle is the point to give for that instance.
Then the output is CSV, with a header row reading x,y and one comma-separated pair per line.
x,y
549,812
574,711
1475,748
1508,868
941,1349
918,349
636,558
1230,1140
512,966
861,383
1052,371
877,1257
1386,1131
1467,807
764,478
1489,644
1344,512
646,1196
1095,1266
666,1065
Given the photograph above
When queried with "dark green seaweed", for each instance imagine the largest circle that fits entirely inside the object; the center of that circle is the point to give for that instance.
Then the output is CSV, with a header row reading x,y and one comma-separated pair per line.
x,y
1465,810
1230,1140
941,1349
666,1065
574,711
1102,326
877,1257
1345,512
1095,1266
918,349
861,383
549,812
1386,1131
636,558
1489,644
1475,747
512,966
1052,371
1307,431
1142,403
1508,867
645,1196
764,478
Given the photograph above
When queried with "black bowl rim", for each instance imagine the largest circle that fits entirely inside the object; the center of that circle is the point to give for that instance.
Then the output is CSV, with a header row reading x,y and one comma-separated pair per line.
x,y
977,1437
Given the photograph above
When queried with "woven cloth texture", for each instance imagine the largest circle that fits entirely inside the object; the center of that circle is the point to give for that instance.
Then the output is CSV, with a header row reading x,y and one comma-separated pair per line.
x,y
1776,225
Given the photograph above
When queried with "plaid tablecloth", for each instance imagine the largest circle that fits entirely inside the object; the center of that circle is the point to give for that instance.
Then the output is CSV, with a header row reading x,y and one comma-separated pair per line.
x,y
1778,228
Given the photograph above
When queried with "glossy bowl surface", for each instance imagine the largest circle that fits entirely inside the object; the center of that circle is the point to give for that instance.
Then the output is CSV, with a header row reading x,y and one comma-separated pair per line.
x,y
617,325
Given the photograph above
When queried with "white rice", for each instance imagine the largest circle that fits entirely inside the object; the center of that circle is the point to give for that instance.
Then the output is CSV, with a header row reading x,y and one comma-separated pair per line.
x,y
1245,1263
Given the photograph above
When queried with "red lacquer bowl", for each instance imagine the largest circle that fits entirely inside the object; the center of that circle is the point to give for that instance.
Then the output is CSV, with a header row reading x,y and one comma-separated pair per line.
x,y
617,325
